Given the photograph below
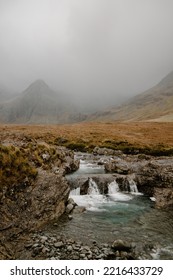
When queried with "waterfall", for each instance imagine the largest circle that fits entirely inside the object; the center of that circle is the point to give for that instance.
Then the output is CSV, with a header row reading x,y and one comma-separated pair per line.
x,y
93,188
133,187
75,191
115,194
113,187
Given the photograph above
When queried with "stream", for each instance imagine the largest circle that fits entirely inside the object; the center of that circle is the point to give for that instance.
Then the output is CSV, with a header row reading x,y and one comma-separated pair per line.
x,y
129,216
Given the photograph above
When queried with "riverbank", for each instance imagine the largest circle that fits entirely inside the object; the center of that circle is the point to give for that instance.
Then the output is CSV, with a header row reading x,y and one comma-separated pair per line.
x,y
34,191
50,246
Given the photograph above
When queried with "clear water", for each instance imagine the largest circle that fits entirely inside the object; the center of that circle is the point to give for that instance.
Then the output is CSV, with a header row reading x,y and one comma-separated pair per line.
x,y
129,216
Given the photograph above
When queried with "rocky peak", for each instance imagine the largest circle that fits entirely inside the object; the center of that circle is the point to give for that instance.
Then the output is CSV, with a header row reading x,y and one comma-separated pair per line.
x,y
39,87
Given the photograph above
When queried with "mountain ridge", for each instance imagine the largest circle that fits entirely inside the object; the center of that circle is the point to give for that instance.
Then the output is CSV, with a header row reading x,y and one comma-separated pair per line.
x,y
154,104
38,103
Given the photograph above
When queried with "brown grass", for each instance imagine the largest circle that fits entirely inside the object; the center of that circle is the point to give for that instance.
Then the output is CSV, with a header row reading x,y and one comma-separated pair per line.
x,y
137,135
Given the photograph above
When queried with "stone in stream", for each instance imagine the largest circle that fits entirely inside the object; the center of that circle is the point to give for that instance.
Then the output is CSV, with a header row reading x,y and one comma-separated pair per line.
x,y
79,209
121,245
69,208
70,217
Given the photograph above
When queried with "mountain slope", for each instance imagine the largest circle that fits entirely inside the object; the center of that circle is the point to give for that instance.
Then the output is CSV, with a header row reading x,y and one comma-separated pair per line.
x,y
154,104
38,104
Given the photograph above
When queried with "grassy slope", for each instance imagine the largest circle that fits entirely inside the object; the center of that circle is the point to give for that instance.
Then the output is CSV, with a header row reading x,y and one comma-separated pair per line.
x,y
85,136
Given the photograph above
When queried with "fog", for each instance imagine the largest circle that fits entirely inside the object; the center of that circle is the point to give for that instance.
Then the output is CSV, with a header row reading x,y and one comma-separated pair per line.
x,y
98,52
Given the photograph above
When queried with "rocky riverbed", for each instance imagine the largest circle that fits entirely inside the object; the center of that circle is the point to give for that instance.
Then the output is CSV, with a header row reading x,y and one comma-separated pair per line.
x,y
153,176
30,203
50,246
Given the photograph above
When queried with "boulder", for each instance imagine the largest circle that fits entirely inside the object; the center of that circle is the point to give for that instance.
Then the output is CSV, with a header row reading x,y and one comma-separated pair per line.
x,y
69,208
120,245
106,151
120,167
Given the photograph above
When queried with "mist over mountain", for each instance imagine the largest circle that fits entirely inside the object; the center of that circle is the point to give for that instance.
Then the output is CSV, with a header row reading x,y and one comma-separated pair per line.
x,y
154,104
39,104
98,52
5,94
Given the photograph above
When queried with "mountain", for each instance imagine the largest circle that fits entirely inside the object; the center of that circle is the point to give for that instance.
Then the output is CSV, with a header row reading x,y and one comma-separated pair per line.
x,y
39,104
155,104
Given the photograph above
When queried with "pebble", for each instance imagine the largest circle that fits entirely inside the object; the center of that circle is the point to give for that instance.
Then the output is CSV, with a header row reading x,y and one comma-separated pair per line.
x,y
58,244
54,247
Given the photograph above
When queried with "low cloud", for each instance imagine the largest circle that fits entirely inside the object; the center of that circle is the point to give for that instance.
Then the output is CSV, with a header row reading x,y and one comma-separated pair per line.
x,y
98,52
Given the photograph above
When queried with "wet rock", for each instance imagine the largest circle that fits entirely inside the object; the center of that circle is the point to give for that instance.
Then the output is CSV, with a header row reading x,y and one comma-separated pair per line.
x,y
79,209
120,245
71,201
69,208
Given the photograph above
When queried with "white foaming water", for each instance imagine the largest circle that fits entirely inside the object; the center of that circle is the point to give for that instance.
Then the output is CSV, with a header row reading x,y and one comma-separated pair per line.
x,y
133,187
92,201
75,192
115,194
113,187
153,198
93,188
90,168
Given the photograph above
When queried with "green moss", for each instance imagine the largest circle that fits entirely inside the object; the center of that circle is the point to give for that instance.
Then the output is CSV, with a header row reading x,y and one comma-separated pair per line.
x,y
128,148
79,147
60,141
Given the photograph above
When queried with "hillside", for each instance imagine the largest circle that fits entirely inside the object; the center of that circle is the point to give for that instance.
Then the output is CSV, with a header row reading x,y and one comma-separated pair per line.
x,y
38,104
155,104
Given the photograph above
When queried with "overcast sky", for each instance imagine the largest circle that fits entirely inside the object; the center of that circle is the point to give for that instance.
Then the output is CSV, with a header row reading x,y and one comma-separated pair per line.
x,y
107,50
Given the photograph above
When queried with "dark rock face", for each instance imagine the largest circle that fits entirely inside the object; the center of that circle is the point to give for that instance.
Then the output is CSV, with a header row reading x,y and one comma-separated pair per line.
x,y
156,179
30,204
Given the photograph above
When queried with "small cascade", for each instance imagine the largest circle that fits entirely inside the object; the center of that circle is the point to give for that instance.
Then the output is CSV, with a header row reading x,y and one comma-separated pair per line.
x,y
113,187
93,188
133,187
115,194
75,192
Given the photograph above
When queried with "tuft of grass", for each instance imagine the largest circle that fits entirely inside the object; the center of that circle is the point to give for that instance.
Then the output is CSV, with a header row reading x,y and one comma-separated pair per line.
x,y
75,146
14,167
